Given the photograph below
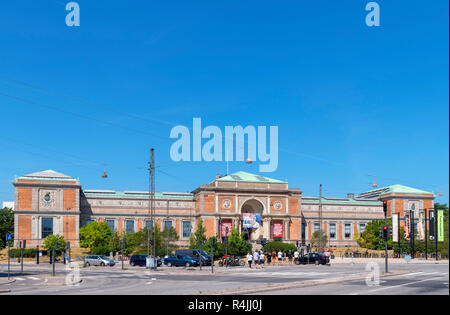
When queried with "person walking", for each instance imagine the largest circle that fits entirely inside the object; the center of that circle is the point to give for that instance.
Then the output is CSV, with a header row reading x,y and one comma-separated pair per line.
x,y
280,256
249,260
256,259
261,259
269,258
289,255
296,255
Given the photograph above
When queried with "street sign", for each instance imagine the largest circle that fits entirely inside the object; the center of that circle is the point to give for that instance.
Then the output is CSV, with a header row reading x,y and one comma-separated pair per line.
x,y
9,237
327,251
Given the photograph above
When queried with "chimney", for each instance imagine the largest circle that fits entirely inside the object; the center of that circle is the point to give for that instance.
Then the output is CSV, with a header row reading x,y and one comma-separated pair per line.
x,y
351,196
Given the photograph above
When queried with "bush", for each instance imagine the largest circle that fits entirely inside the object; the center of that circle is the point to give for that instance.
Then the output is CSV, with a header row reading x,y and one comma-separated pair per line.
x,y
277,246
100,250
27,253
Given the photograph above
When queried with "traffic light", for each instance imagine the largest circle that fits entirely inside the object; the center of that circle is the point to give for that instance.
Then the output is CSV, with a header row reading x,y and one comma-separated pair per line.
x,y
385,232
24,244
385,207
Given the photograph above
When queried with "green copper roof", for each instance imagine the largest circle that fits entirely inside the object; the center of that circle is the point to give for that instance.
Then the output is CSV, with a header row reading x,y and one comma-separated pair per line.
x,y
47,175
248,177
399,189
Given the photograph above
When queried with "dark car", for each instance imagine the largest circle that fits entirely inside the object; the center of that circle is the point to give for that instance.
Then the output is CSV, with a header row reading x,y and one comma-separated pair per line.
x,y
311,258
180,260
141,260
196,254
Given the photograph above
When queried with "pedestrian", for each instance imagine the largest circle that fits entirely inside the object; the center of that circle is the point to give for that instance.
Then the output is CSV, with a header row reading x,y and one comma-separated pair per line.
x,y
289,255
274,256
296,255
256,259
249,260
261,259
269,258
280,256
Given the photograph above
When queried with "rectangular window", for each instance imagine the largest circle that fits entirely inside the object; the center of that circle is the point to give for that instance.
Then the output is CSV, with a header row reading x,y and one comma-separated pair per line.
x,y
347,230
47,227
186,229
111,225
129,226
167,225
316,227
148,224
362,227
332,230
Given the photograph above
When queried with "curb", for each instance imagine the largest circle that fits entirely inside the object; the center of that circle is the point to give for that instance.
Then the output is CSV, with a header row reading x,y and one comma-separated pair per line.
x,y
8,282
300,284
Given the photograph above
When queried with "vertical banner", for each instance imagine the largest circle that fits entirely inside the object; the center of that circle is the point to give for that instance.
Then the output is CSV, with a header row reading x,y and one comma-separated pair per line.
x,y
440,227
224,227
431,225
406,227
277,230
395,227
421,228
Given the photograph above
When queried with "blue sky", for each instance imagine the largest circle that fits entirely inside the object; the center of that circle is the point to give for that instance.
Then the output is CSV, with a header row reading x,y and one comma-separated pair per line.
x,y
349,100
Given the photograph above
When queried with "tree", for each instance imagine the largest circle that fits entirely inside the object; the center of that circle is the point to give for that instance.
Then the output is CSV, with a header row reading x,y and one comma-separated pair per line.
x,y
219,249
6,225
371,237
169,235
439,206
50,242
236,243
198,236
95,234
315,239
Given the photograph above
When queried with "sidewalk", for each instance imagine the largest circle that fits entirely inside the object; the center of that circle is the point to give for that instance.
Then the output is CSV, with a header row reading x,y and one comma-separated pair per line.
x,y
339,260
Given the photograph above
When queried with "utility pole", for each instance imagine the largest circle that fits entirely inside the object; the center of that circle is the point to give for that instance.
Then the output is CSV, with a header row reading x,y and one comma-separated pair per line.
x,y
385,235
426,235
152,203
320,219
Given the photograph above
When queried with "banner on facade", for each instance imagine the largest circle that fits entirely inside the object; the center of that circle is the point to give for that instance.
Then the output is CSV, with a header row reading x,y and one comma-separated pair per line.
x,y
421,227
431,225
224,227
251,220
278,230
440,225
395,227
406,227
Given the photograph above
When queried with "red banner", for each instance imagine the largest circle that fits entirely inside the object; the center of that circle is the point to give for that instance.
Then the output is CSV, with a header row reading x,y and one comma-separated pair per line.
x,y
226,225
278,230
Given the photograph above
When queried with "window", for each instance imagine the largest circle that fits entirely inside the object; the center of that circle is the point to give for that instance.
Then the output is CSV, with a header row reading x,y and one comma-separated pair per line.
x,y
111,224
316,227
362,227
186,229
47,227
88,221
167,225
347,230
129,226
332,230
148,224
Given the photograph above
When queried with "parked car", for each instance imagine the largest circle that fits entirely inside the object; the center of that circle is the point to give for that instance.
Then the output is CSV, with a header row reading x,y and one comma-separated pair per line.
x,y
141,260
98,260
181,260
312,258
196,255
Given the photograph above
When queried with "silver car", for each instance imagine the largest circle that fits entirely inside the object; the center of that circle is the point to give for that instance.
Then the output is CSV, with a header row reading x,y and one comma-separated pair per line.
x,y
98,260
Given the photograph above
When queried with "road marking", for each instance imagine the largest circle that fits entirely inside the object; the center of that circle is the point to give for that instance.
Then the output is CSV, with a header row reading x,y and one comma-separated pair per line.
x,y
20,279
33,278
149,282
404,284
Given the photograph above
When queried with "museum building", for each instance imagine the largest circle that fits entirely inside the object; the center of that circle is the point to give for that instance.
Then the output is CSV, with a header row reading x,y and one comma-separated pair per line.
x,y
49,202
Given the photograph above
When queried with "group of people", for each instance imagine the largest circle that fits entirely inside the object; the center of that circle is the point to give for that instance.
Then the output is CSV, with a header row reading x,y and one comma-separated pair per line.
x,y
258,258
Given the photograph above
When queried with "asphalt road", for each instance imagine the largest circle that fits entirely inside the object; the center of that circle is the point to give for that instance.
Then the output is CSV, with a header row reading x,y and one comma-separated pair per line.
x,y
422,279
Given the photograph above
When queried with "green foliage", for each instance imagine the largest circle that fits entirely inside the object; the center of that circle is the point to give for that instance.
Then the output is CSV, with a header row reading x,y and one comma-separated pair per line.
x,y
219,248
236,243
6,225
94,234
27,253
198,236
277,246
315,239
371,237
50,242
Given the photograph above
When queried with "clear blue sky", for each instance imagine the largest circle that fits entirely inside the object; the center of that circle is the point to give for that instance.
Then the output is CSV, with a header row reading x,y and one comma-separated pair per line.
x,y
350,101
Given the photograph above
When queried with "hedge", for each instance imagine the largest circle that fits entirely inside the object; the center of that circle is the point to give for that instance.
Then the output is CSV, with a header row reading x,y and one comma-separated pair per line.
x,y
277,246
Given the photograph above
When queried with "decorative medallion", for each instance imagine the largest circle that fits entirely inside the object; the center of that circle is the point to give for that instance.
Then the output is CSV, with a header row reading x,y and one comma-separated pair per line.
x,y
277,205
226,204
